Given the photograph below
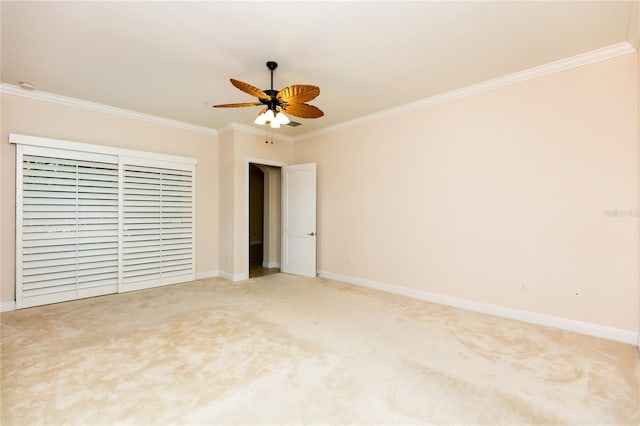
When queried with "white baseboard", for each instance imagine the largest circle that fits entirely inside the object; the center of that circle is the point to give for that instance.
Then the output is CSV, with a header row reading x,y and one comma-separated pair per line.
x,y
233,277
6,307
266,264
605,332
225,275
206,274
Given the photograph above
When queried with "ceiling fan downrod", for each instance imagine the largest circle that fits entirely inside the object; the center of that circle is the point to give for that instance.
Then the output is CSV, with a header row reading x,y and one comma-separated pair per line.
x,y
272,66
273,103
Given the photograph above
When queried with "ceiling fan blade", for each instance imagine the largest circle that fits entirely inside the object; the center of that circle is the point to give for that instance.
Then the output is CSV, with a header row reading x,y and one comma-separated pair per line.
x,y
242,104
298,93
252,90
303,111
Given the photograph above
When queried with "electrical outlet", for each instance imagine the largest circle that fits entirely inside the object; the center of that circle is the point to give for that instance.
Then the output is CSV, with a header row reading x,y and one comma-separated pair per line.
x,y
349,260
578,292
523,286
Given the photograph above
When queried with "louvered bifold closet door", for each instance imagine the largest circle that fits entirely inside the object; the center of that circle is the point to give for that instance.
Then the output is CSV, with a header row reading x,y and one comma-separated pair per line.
x,y
158,225
67,226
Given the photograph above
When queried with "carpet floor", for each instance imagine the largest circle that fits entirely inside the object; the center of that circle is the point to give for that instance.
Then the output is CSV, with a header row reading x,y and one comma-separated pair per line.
x,y
282,349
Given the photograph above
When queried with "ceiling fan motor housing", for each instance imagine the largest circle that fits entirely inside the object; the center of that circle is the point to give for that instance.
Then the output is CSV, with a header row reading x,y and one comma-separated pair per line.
x,y
274,102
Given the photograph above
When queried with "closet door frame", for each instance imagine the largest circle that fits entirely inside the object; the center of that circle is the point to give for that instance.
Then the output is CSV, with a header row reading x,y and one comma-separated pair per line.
x,y
38,146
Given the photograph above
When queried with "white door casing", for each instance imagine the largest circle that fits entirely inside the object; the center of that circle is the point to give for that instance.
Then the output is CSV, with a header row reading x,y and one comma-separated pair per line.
x,y
94,220
299,219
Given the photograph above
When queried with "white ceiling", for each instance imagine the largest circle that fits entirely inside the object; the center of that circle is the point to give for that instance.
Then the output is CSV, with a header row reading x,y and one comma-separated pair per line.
x,y
170,58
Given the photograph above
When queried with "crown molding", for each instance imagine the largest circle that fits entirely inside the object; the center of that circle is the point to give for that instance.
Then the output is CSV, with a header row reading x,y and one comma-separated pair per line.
x,y
93,106
608,52
246,129
225,129
604,53
633,36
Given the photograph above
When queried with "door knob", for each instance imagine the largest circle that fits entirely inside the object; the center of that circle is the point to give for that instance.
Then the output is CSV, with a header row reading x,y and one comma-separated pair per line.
x,y
311,234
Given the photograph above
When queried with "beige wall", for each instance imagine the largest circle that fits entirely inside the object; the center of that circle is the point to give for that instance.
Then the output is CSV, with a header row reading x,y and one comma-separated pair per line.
x,y
51,120
226,187
271,222
257,182
475,197
273,216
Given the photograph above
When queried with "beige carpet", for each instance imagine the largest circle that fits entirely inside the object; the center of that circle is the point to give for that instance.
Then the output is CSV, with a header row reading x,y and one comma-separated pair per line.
x,y
288,350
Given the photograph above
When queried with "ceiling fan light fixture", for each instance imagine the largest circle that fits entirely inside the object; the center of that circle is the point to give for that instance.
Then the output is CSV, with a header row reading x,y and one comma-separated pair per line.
x,y
261,119
273,119
282,119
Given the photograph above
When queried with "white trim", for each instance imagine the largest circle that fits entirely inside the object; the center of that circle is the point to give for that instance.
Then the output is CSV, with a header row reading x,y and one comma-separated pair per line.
x,y
117,158
29,149
633,36
608,52
18,224
93,106
155,283
206,274
226,129
269,265
263,162
9,306
233,126
225,275
194,220
121,288
233,277
96,149
605,332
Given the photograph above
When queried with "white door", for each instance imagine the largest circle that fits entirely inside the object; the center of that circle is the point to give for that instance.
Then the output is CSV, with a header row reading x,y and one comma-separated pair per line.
x,y
299,219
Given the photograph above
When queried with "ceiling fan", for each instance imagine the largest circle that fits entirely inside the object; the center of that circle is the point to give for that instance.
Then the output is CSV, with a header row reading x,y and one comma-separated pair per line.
x,y
291,99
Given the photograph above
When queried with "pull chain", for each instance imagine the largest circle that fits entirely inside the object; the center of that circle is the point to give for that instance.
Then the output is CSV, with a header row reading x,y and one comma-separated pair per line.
x,y
266,134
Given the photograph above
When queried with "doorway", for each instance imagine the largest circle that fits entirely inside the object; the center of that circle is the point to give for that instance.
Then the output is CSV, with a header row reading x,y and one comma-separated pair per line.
x,y
264,219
